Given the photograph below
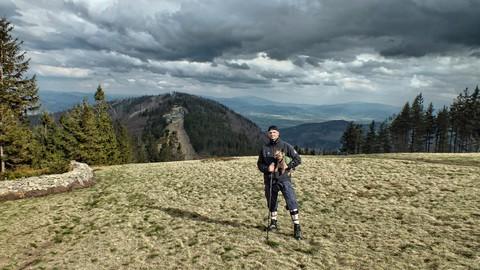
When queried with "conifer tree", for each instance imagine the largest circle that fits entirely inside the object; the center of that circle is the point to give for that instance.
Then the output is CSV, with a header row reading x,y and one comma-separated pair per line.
x,y
51,153
429,125
352,139
370,144
16,90
124,143
72,134
384,138
91,147
459,120
441,134
418,125
476,118
400,129
18,96
109,151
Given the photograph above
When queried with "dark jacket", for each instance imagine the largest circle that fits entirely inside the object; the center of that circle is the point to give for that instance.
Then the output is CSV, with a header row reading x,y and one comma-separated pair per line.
x,y
266,157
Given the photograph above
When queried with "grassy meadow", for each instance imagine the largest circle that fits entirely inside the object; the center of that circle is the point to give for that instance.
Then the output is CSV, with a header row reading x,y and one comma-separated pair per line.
x,y
392,211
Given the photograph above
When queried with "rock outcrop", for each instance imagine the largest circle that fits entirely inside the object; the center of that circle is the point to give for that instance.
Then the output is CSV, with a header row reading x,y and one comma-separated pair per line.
x,y
80,176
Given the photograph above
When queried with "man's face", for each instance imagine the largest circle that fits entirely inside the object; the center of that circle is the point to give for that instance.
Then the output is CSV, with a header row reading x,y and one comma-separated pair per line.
x,y
273,134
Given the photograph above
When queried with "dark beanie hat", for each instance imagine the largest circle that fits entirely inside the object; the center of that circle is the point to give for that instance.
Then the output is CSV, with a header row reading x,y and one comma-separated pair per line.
x,y
273,128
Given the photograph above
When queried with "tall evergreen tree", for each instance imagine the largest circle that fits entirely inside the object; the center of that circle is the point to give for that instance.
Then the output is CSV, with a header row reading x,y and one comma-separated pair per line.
x,y
91,146
441,134
19,92
476,118
18,96
384,139
109,151
370,143
429,125
352,139
418,125
459,118
81,134
8,123
51,154
400,130
125,143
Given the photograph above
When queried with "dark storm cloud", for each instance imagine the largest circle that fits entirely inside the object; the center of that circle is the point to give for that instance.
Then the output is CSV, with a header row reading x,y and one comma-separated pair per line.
x,y
329,46
203,30
7,9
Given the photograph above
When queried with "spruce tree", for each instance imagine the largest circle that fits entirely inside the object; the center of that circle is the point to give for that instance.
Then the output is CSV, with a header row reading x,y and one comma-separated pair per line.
x,y
400,129
109,151
429,124
17,91
72,134
476,118
352,139
441,134
18,96
8,123
51,154
384,138
459,119
417,117
125,143
370,144
91,146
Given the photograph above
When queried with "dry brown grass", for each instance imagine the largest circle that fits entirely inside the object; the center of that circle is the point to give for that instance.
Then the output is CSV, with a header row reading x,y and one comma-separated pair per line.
x,y
368,212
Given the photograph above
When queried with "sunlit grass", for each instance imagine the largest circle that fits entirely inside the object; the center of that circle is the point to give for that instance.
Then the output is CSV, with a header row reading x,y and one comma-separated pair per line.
x,y
398,211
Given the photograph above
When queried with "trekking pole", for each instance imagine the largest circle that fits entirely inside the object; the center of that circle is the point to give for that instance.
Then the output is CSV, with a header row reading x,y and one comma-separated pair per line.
x,y
269,204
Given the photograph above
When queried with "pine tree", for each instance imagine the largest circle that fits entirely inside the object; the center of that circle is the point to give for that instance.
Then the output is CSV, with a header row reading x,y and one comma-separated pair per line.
x,y
8,122
417,117
459,120
125,143
400,129
109,151
91,144
352,139
16,90
51,153
72,134
370,144
476,118
81,134
429,125
384,138
18,96
441,134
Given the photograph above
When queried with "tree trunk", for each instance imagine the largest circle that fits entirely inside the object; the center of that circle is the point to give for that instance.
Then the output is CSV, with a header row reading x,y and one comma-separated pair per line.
x,y
2,167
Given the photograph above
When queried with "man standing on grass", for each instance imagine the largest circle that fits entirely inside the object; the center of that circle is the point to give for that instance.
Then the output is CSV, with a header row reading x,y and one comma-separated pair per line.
x,y
276,160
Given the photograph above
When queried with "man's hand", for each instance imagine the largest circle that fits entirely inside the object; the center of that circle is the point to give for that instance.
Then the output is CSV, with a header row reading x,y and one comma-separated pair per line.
x,y
271,168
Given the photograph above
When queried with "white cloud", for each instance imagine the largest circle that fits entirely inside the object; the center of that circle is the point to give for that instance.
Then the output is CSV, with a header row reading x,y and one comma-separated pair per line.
x,y
419,82
67,72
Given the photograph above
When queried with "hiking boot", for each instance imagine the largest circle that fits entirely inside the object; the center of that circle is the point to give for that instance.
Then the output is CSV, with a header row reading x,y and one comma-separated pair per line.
x,y
297,232
273,225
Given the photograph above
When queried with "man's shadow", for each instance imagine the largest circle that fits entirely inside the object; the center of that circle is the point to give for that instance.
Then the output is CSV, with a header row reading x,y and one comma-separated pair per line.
x,y
179,213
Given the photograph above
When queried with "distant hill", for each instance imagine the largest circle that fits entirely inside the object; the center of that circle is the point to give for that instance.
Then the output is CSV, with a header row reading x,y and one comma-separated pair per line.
x,y
319,136
181,126
263,112
205,121
266,112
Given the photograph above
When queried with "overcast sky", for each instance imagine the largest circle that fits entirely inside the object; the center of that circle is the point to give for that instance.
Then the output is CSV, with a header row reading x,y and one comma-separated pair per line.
x,y
318,52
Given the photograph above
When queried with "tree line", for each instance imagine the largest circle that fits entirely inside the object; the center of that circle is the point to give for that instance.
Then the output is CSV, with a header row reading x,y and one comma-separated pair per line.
x,y
86,133
418,129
